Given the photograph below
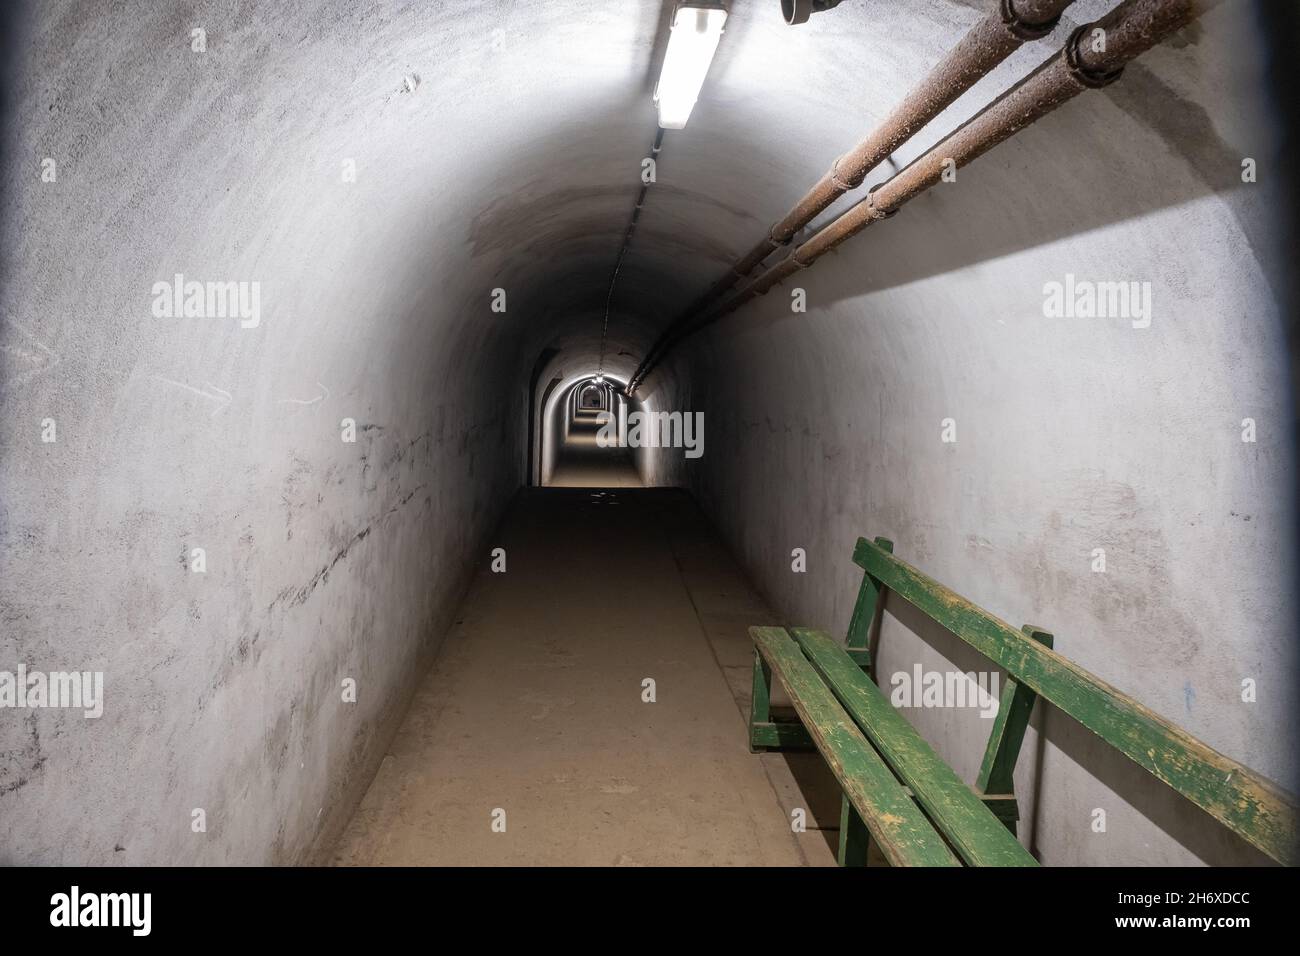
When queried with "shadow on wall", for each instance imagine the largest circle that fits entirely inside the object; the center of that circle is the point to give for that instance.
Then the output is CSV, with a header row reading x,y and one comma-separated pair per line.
x,y
978,217
1187,824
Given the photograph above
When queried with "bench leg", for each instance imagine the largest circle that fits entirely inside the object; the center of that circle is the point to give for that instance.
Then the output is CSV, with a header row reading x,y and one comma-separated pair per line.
x,y
1004,807
765,735
999,764
760,702
854,836
857,643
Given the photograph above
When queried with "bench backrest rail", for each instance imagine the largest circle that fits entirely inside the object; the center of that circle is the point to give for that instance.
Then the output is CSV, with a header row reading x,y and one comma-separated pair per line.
x,y
1243,800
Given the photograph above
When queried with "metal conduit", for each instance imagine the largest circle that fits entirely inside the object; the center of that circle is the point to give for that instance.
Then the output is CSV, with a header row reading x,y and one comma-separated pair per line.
x,y
622,252
999,34
1130,29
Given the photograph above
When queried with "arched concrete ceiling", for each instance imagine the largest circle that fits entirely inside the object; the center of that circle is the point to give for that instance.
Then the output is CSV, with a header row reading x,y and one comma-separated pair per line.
x,y
498,145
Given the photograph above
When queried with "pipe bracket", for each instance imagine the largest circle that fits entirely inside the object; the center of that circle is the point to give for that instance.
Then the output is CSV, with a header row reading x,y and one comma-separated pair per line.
x,y
1023,29
1091,77
871,204
843,185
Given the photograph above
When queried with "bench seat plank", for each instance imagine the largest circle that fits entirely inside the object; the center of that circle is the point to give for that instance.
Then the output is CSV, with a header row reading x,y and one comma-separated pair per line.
x,y
898,826
1232,793
979,837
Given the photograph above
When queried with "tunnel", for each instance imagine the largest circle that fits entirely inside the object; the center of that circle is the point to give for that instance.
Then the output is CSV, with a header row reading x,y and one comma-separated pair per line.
x,y
386,421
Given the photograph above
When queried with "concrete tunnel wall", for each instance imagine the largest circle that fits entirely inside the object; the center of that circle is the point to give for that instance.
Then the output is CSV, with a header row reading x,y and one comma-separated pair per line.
x,y
1072,434
498,147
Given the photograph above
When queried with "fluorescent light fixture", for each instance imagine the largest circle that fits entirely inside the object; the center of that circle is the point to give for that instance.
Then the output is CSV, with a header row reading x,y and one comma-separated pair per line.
x,y
692,42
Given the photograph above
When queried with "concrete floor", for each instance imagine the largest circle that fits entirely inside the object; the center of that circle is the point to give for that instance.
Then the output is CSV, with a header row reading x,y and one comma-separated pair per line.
x,y
534,706
580,462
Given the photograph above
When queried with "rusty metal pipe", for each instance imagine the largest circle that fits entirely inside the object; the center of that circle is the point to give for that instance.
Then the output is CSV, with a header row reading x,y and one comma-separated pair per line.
x,y
1129,30
976,55
999,34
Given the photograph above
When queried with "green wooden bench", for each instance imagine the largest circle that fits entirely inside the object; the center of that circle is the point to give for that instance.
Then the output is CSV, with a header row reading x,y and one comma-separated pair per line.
x,y
899,794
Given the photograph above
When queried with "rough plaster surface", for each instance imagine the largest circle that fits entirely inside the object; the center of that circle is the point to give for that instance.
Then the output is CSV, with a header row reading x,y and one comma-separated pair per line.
x,y
498,145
